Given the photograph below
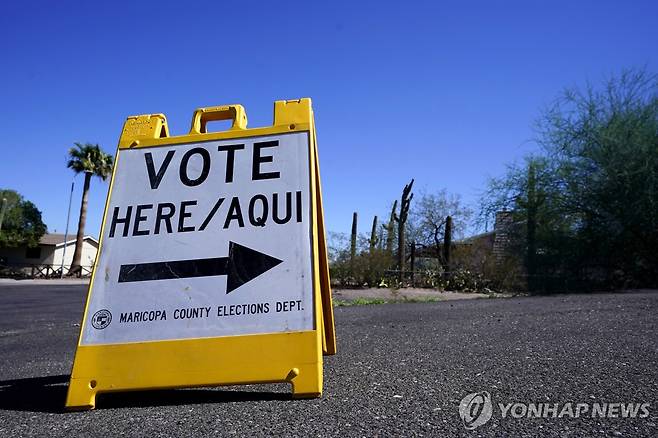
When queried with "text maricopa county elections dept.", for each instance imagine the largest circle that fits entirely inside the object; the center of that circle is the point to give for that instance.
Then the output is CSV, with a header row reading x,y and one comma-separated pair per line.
x,y
184,216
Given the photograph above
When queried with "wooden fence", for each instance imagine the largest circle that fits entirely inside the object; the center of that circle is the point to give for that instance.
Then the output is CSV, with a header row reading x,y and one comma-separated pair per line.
x,y
31,270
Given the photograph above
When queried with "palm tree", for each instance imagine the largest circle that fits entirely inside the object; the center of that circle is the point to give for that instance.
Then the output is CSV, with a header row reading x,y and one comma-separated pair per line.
x,y
90,159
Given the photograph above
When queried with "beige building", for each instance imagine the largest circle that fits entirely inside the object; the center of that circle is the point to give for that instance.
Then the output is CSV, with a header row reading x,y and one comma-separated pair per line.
x,y
50,252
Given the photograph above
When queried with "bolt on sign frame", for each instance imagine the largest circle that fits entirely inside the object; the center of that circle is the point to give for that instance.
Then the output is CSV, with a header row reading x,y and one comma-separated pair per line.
x,y
290,355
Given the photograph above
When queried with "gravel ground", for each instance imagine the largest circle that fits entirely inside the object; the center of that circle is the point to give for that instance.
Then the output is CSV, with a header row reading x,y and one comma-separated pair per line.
x,y
401,370
405,294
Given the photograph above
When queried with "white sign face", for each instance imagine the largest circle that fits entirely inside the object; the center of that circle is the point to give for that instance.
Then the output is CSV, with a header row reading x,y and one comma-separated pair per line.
x,y
205,240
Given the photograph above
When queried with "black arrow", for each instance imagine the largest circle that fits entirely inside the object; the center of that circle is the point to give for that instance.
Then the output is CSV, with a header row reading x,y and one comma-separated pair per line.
x,y
242,265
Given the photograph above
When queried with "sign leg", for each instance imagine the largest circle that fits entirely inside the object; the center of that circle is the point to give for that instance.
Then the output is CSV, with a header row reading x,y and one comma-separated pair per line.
x,y
81,395
307,383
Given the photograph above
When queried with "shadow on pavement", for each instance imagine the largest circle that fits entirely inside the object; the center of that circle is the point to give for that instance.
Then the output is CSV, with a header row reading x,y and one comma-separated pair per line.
x,y
35,394
48,394
169,397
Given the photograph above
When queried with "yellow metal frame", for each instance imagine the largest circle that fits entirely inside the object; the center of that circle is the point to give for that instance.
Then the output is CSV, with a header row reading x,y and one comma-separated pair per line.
x,y
294,357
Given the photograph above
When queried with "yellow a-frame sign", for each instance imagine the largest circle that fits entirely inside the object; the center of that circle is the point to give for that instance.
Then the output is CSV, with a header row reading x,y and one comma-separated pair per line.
x,y
212,267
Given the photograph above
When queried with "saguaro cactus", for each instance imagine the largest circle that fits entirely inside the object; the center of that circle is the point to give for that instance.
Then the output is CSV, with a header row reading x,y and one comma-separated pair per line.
x,y
447,246
531,225
390,229
405,202
353,238
373,235
3,209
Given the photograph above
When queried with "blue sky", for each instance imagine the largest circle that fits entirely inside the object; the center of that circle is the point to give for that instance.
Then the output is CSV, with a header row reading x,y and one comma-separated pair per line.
x,y
444,92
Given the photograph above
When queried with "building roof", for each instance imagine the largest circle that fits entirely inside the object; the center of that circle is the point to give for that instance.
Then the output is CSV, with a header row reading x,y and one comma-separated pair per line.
x,y
58,239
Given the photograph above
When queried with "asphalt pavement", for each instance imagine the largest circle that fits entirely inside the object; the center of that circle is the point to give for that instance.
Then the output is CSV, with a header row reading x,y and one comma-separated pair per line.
x,y
401,370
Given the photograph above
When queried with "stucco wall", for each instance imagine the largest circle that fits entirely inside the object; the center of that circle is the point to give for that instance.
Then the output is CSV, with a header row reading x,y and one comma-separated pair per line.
x,y
88,254
50,255
16,256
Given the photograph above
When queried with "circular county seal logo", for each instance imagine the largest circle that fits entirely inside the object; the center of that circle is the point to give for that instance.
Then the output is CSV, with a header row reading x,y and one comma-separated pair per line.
x,y
101,319
475,409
